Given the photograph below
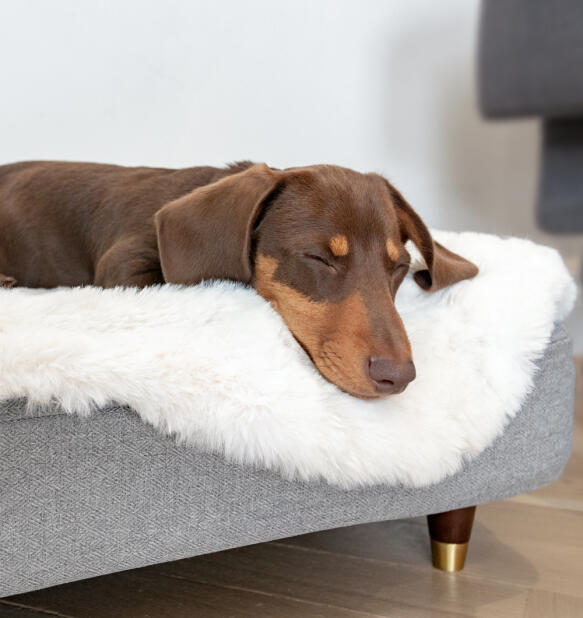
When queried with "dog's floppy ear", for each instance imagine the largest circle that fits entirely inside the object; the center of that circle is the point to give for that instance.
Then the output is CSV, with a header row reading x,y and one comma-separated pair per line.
x,y
443,266
206,234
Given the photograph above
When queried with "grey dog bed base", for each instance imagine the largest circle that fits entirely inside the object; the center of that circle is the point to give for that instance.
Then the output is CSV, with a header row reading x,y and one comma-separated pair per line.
x,y
81,497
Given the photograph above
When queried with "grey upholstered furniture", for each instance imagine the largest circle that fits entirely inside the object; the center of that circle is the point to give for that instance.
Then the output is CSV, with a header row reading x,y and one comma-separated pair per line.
x,y
530,64
81,497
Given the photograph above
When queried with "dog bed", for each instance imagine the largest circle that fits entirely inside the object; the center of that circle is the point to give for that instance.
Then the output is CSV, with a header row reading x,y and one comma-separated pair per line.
x,y
215,366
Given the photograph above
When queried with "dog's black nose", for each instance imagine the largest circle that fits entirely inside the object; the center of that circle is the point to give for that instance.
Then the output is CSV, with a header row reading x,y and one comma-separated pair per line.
x,y
390,377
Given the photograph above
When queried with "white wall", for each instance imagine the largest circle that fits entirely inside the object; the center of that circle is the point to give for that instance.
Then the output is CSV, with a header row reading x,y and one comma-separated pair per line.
x,y
374,84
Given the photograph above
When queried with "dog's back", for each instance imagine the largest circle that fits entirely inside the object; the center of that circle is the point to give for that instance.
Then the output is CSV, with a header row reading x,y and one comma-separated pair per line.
x,y
57,219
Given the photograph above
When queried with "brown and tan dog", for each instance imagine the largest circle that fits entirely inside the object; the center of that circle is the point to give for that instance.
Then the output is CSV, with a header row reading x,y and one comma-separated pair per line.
x,y
323,244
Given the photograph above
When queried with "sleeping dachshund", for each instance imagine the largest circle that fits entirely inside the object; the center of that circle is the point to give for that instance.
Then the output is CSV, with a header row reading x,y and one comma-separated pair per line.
x,y
323,244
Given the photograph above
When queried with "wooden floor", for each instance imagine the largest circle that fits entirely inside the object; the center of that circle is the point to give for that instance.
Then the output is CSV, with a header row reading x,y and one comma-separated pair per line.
x,y
526,559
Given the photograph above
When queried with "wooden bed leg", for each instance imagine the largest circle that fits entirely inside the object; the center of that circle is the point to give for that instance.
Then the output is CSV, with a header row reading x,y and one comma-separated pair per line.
x,y
450,535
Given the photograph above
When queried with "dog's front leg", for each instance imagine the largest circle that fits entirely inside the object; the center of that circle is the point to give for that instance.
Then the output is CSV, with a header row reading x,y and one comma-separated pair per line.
x,y
130,262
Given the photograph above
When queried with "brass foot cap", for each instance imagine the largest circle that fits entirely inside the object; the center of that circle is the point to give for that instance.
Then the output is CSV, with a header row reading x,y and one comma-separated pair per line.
x,y
449,557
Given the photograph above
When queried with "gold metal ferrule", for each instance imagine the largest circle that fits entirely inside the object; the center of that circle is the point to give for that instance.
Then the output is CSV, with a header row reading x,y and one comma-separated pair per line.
x,y
449,557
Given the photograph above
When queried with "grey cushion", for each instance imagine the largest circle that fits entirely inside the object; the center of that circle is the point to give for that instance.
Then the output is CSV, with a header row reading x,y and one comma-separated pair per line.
x,y
85,497
531,57
560,198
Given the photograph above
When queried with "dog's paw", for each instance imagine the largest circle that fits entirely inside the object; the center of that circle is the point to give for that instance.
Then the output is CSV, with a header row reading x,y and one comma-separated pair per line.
x,y
7,282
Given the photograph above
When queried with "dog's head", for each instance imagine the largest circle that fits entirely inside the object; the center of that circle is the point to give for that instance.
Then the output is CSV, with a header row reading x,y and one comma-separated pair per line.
x,y
325,246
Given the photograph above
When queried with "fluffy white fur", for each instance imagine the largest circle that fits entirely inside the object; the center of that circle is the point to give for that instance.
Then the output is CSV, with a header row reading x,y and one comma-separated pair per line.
x,y
216,367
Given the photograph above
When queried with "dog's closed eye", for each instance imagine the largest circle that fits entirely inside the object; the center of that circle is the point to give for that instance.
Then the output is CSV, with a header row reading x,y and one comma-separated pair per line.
x,y
320,259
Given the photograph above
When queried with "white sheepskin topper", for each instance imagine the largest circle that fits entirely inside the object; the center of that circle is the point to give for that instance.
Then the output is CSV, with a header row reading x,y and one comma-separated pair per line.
x,y
215,366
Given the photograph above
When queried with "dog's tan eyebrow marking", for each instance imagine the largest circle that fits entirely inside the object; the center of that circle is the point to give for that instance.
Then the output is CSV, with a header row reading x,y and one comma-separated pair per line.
x,y
339,245
392,250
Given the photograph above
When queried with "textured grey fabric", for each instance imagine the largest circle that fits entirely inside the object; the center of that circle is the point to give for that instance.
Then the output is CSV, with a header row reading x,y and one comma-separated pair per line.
x,y
560,199
530,58
84,497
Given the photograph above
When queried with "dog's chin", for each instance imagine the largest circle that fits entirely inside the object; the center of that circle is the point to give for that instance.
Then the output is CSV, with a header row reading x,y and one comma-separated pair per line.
x,y
353,390
366,396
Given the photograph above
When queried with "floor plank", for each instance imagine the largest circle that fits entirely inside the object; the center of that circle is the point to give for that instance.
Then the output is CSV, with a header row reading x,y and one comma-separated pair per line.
x,y
145,593
348,582
512,543
543,604
546,546
14,611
